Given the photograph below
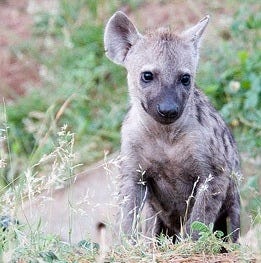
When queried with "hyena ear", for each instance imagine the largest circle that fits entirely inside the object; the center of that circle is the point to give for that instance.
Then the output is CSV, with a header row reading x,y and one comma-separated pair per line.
x,y
120,35
195,33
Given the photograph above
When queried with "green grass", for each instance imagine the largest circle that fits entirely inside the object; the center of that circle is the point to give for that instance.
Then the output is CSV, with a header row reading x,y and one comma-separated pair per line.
x,y
84,92
39,247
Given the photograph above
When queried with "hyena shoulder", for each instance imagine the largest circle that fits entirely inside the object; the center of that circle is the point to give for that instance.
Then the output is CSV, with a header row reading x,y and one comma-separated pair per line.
x,y
217,136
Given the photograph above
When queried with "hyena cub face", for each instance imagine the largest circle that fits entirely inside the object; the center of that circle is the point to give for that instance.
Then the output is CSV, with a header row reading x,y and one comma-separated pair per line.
x,y
161,66
161,83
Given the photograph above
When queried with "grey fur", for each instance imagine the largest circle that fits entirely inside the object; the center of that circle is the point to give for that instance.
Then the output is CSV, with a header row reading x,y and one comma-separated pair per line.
x,y
165,157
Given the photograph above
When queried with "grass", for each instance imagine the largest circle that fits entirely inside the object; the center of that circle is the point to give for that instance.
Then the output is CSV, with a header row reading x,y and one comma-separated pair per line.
x,y
51,135
39,247
47,248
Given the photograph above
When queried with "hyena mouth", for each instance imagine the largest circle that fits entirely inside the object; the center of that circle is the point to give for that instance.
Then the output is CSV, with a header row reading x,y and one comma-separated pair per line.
x,y
166,120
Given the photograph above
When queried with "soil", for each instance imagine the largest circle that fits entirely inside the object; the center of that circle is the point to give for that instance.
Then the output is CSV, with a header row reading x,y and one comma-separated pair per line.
x,y
17,72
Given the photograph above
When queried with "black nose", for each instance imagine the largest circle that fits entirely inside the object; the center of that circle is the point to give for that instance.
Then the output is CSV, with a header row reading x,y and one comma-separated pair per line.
x,y
168,110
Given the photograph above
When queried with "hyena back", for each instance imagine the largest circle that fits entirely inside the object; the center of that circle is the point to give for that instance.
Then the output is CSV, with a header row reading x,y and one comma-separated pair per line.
x,y
179,157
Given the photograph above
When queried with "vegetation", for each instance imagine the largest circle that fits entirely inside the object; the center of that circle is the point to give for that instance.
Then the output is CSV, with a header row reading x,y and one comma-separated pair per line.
x,y
48,248
89,99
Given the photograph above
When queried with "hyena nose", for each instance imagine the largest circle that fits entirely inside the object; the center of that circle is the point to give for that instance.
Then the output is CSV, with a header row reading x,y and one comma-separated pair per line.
x,y
168,110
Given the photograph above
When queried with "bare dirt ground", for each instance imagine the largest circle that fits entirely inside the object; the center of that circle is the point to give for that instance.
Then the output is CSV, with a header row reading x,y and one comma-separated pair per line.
x,y
17,72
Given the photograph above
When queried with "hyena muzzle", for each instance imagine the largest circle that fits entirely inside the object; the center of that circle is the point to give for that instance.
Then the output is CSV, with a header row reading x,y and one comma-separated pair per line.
x,y
179,157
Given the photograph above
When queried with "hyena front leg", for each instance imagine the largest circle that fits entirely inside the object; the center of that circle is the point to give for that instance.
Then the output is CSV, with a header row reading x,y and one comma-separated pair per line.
x,y
132,198
151,223
234,211
210,196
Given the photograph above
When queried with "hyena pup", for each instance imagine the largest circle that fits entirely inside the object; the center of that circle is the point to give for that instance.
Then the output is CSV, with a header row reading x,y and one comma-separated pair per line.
x,y
180,158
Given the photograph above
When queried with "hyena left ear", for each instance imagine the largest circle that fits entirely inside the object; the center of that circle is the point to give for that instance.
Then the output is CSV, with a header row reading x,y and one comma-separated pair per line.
x,y
195,33
119,36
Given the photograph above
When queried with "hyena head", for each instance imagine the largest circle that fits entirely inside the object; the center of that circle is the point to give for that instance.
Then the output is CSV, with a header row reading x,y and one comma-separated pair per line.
x,y
161,65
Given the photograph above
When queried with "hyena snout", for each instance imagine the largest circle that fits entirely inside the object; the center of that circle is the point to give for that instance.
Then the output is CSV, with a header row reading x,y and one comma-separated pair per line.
x,y
168,110
164,111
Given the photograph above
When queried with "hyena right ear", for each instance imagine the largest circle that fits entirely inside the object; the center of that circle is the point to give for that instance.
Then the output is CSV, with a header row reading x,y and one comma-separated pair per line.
x,y
194,34
120,35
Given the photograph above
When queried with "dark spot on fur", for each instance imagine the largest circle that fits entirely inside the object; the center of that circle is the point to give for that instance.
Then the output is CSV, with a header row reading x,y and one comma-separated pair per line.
x,y
214,170
137,148
196,93
217,196
215,131
143,106
230,137
223,135
211,114
226,148
199,114
208,208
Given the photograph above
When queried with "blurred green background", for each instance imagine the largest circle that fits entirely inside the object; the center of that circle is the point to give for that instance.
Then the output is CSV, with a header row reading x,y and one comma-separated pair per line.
x,y
79,87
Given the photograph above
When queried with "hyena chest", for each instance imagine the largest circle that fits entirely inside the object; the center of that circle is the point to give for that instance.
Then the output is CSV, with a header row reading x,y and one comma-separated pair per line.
x,y
169,180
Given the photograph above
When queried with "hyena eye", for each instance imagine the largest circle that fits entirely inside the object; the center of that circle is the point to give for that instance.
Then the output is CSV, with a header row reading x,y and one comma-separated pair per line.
x,y
146,76
185,79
